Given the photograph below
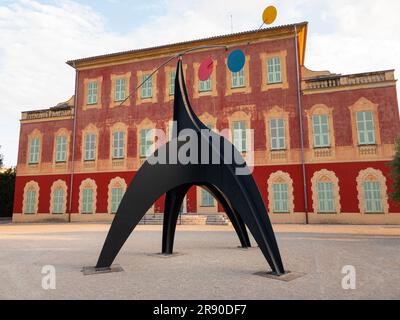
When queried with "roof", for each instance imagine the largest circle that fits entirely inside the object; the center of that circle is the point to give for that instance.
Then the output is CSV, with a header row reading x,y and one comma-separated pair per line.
x,y
181,46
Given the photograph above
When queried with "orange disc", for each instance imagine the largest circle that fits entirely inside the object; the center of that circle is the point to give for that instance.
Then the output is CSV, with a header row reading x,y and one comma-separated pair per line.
x,y
269,15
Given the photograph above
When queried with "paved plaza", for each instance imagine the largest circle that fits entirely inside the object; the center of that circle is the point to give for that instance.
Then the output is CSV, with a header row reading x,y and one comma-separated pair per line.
x,y
210,265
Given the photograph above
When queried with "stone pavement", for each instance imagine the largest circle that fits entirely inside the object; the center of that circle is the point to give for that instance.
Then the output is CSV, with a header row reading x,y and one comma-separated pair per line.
x,y
210,266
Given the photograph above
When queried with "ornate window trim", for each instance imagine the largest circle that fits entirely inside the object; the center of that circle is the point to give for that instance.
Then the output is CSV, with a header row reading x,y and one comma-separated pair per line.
x,y
31,186
207,118
325,176
371,174
276,113
118,127
153,99
264,57
59,184
86,184
90,129
280,177
364,104
247,86
317,152
145,124
213,92
35,134
127,77
98,105
117,182
62,132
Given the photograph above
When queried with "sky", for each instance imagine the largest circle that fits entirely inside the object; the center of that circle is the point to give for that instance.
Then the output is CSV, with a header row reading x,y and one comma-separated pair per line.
x,y
38,37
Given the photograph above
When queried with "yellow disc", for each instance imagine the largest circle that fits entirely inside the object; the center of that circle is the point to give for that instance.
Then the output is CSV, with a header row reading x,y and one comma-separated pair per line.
x,y
270,14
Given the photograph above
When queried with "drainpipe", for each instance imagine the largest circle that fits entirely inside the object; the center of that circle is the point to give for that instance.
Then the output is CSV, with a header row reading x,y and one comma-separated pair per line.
x,y
73,145
300,111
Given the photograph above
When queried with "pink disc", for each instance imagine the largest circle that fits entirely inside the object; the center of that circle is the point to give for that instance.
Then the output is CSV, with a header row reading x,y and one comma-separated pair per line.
x,y
206,69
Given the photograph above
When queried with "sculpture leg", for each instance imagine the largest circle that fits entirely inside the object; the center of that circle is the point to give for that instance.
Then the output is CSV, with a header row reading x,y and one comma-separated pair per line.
x,y
235,219
173,204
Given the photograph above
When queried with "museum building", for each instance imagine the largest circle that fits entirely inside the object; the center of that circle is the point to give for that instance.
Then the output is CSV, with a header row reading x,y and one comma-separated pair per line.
x,y
322,141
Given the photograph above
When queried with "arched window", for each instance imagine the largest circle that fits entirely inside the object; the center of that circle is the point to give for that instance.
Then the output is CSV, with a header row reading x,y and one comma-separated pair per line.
x,y
372,192
87,197
58,198
31,198
34,147
116,191
325,192
280,193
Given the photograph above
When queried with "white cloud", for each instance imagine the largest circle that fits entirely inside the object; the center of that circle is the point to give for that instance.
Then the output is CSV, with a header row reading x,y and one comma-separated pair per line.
x,y
36,39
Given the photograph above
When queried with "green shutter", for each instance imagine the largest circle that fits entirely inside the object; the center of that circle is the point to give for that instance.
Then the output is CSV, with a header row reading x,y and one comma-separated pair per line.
x,y
372,197
274,70
321,131
326,203
365,128
281,198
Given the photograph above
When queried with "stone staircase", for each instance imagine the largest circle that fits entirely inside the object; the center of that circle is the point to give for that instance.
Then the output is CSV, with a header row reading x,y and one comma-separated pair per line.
x,y
188,219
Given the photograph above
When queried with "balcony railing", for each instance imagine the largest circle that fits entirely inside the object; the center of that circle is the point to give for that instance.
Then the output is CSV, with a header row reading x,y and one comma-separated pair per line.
x,y
337,81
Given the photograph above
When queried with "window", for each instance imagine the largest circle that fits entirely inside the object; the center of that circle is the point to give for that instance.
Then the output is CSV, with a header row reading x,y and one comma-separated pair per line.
x,y
274,70
281,198
207,200
205,86
172,76
92,92
238,80
58,201
277,129
87,201
326,202
365,128
34,151
90,147
147,87
146,142
30,206
61,149
321,131
239,136
116,197
372,197
120,90
118,145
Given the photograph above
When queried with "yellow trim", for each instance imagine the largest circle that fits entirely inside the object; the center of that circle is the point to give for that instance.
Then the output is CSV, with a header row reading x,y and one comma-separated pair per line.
x,y
325,176
265,86
35,134
114,77
89,165
88,184
214,79
115,183
280,177
247,85
59,184
168,69
98,105
154,89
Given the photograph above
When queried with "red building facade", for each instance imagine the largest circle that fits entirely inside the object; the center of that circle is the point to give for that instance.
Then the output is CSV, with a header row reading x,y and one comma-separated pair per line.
x,y
322,141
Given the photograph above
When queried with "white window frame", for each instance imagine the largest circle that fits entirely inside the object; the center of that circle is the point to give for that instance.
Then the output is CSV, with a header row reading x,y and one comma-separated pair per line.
x,y
93,91
238,79
120,90
34,149
240,135
365,128
90,147
277,134
61,148
274,70
373,197
281,197
87,201
119,145
326,197
58,201
146,142
147,87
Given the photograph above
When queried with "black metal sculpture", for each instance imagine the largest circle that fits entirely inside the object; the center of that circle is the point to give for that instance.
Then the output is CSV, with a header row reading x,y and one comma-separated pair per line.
x,y
238,194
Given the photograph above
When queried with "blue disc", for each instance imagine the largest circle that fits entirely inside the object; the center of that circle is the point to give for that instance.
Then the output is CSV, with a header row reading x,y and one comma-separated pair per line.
x,y
236,60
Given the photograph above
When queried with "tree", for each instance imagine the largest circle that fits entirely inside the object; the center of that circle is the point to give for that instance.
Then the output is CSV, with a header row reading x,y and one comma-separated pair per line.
x,y
1,160
7,187
395,165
